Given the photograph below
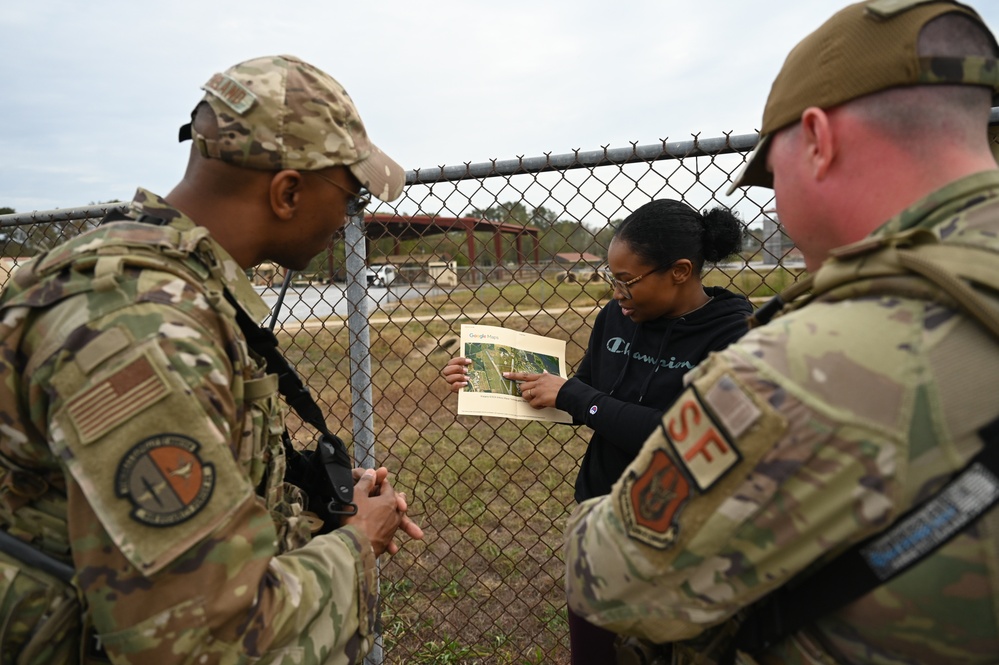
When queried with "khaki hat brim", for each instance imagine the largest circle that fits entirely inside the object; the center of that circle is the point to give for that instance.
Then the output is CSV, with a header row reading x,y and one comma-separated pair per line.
x,y
380,175
755,171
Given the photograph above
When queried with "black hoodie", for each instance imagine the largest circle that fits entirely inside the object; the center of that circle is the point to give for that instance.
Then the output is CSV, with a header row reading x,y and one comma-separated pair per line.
x,y
632,372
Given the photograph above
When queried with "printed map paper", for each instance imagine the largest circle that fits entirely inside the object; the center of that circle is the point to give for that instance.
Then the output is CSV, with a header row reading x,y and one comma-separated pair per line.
x,y
494,350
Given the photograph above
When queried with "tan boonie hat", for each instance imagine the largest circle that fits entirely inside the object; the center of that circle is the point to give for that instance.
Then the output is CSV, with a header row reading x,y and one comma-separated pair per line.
x,y
279,112
864,48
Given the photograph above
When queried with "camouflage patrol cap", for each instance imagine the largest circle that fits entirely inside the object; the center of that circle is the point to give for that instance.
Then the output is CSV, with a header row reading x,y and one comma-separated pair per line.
x,y
865,48
279,112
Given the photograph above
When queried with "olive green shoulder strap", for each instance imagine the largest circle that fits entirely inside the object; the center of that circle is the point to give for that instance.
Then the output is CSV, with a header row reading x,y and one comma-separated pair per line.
x,y
912,264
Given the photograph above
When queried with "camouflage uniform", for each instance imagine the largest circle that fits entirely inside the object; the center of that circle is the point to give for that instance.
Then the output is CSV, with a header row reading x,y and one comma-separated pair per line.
x,y
808,435
131,401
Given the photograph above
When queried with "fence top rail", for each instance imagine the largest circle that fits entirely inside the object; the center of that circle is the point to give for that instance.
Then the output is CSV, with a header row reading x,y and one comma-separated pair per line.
x,y
586,159
576,159
696,147
521,165
60,215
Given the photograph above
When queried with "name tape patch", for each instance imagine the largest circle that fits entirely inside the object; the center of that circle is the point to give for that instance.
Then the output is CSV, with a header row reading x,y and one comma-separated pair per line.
x,y
235,95
966,497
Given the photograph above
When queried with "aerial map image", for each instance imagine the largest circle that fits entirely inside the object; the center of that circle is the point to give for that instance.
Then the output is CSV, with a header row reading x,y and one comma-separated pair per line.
x,y
489,361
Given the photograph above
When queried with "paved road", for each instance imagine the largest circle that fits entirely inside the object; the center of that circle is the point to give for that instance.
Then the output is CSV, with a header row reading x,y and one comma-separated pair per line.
x,y
327,304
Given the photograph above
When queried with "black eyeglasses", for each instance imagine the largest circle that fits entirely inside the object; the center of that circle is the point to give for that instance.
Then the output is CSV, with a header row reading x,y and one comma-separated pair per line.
x,y
625,287
356,204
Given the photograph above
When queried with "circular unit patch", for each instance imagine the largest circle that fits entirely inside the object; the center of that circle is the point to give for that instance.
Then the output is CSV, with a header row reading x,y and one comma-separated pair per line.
x,y
165,480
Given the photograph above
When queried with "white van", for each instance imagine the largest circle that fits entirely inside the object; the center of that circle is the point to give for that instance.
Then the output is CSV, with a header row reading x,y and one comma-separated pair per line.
x,y
381,274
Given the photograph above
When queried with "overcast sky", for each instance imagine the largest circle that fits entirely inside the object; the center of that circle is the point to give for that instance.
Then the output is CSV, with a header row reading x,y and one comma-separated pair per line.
x,y
93,92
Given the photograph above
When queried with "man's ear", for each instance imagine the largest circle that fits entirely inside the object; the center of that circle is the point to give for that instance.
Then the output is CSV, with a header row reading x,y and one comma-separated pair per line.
x,y
681,271
285,193
819,140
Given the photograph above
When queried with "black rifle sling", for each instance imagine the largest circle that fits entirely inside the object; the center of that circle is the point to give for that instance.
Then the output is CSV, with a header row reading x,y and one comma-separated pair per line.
x,y
331,449
921,531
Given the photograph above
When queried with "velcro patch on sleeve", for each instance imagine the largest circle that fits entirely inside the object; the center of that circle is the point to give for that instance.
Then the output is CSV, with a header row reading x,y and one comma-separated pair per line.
x,y
712,436
735,410
702,445
165,477
683,458
116,398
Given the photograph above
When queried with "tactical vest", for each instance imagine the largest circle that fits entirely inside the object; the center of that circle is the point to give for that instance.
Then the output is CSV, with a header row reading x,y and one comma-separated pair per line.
x,y
40,614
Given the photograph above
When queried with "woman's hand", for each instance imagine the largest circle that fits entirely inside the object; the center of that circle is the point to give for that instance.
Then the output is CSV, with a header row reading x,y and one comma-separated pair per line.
x,y
455,372
540,390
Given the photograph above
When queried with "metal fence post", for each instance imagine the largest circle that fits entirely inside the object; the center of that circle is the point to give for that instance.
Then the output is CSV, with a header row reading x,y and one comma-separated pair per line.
x,y
362,408
362,403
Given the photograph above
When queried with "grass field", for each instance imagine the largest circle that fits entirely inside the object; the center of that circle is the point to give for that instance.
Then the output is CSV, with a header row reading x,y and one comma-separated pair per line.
x,y
492,495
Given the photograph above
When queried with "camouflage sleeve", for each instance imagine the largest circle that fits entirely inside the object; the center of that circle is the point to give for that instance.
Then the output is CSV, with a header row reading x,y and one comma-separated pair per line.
x,y
752,477
176,555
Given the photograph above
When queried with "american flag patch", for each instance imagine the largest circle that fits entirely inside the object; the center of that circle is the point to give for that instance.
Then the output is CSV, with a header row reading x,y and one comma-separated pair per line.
x,y
115,399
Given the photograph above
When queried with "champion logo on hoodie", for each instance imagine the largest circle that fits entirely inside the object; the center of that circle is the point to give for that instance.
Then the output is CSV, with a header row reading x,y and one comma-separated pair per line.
x,y
593,410
619,345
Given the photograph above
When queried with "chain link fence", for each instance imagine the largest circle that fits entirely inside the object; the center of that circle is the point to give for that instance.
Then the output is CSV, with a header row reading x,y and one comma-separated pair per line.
x,y
494,494
519,243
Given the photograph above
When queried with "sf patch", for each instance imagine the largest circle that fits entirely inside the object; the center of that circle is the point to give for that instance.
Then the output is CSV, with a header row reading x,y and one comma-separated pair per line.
x,y
701,444
165,480
689,453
